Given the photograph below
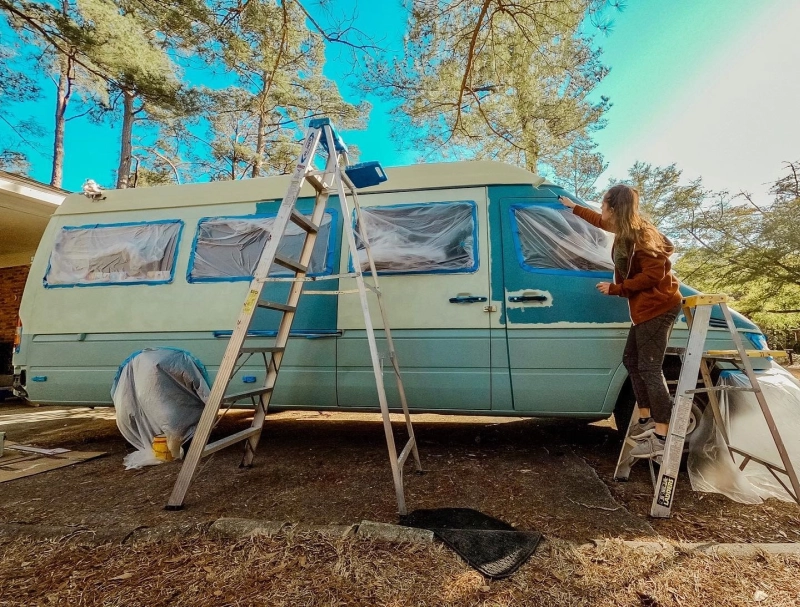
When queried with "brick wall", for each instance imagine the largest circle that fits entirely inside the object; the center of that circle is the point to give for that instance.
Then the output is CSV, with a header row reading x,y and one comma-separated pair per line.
x,y
12,283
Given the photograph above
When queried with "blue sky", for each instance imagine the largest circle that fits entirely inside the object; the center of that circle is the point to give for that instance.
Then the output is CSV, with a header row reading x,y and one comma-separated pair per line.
x,y
710,85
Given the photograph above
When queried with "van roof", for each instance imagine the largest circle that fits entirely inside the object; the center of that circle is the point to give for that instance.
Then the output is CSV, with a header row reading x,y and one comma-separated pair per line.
x,y
414,177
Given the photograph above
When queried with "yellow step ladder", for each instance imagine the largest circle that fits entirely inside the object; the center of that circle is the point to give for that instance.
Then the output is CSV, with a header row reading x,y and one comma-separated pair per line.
x,y
698,363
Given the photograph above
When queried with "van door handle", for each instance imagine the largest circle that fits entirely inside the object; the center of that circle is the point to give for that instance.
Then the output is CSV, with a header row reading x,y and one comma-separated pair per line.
x,y
462,299
520,298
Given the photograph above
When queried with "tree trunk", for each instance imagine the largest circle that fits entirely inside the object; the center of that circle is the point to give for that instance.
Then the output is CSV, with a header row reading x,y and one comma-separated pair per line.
x,y
62,99
259,159
126,149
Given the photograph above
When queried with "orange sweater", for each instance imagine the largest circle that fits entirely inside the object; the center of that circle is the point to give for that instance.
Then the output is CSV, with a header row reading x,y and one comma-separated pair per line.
x,y
649,285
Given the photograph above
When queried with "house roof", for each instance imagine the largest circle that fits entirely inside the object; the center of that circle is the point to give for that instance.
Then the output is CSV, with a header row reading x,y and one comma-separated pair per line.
x,y
25,208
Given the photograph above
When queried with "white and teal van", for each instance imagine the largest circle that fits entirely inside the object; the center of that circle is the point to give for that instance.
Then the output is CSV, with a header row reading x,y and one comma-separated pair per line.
x,y
489,284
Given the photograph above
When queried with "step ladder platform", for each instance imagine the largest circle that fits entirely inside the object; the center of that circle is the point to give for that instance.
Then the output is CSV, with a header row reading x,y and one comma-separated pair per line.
x,y
366,174
232,398
734,355
338,143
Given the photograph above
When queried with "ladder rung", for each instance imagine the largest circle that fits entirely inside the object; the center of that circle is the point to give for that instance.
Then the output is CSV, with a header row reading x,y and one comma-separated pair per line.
x,y
258,349
230,440
232,398
290,264
303,222
314,180
722,389
263,303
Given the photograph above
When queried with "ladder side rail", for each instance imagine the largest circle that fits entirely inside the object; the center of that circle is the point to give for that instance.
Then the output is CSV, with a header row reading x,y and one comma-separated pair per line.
x,y
373,350
224,373
362,228
681,410
773,428
284,330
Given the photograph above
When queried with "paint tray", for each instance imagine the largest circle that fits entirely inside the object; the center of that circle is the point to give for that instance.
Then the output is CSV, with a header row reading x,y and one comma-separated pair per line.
x,y
366,174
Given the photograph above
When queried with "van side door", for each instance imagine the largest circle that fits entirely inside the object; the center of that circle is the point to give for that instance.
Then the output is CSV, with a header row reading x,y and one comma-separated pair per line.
x,y
565,339
429,248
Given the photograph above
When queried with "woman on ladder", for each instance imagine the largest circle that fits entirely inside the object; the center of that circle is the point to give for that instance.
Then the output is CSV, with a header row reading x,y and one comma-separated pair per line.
x,y
643,275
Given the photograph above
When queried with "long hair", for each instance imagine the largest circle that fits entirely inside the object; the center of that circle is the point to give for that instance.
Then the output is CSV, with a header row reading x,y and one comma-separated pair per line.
x,y
629,225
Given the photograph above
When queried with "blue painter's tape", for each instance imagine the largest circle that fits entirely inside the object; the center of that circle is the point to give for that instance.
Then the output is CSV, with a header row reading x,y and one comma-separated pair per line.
x,y
475,251
39,378
329,253
534,270
121,283
249,379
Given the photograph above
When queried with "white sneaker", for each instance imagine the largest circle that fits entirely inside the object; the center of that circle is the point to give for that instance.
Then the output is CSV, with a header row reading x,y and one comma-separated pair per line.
x,y
650,447
641,431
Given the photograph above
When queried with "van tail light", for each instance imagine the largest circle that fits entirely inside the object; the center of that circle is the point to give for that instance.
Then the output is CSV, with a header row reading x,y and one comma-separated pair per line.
x,y
18,336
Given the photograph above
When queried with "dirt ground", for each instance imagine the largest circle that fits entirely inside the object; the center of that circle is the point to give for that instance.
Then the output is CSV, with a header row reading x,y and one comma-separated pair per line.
x,y
549,475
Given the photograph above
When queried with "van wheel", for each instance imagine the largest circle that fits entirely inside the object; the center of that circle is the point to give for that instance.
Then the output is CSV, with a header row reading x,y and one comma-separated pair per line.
x,y
627,401
623,410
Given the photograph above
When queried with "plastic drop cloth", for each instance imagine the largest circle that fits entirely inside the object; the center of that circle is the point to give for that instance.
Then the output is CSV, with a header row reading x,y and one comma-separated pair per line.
x,y
158,391
113,254
230,247
712,470
556,239
420,238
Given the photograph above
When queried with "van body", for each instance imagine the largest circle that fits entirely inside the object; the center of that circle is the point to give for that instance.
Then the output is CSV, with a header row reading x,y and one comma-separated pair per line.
x,y
497,318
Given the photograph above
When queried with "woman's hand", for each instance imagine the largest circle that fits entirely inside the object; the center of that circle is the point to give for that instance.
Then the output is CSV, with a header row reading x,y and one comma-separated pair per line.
x,y
603,287
566,202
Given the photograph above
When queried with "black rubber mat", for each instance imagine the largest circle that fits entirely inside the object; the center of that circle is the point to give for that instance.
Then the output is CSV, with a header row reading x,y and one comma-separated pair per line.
x,y
489,545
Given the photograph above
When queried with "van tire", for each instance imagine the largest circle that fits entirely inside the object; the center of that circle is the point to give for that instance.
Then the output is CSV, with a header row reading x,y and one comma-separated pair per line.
x,y
623,409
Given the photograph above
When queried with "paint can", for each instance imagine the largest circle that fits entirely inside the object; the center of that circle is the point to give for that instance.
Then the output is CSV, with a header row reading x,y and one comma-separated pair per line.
x,y
161,449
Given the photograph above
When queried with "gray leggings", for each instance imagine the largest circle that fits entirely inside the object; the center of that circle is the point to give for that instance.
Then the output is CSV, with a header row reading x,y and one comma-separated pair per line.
x,y
643,358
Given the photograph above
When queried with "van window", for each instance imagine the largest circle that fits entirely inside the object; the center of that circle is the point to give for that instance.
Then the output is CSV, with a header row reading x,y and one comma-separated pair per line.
x,y
550,238
228,248
421,238
114,254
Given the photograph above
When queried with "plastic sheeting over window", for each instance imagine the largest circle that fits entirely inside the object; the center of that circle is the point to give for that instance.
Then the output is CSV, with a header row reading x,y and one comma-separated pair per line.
x,y
158,391
421,238
131,253
228,248
713,470
550,238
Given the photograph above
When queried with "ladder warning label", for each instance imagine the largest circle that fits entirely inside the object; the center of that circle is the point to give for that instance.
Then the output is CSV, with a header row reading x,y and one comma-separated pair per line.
x,y
250,302
665,491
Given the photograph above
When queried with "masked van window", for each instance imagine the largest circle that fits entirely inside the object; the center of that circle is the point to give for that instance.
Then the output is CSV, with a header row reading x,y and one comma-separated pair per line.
x,y
114,254
549,238
421,238
228,248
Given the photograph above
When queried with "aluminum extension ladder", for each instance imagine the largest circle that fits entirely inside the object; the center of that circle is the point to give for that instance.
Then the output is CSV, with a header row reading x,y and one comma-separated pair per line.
x,y
333,179
697,310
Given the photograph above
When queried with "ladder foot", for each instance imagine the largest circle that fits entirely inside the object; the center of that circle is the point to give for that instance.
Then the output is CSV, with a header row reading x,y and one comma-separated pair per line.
x,y
421,472
245,466
172,508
